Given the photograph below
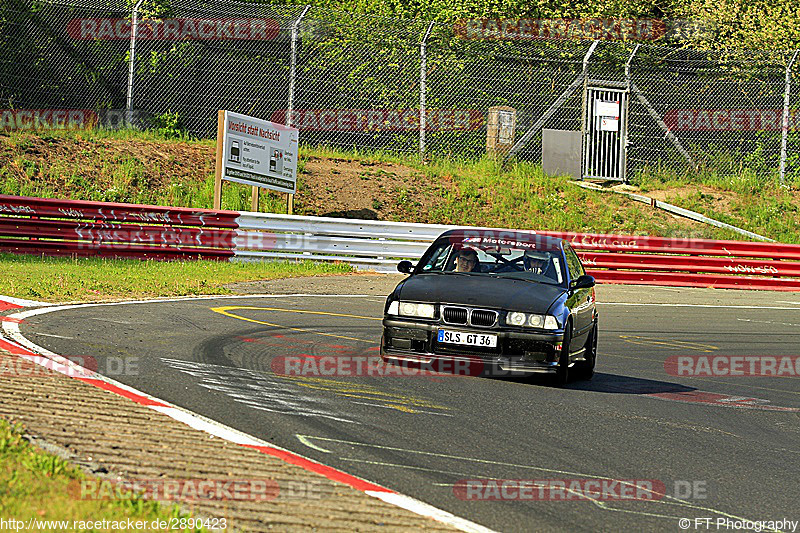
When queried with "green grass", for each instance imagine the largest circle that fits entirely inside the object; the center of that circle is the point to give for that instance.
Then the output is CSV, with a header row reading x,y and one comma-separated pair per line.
x,y
746,200
40,486
521,195
83,164
67,279
145,167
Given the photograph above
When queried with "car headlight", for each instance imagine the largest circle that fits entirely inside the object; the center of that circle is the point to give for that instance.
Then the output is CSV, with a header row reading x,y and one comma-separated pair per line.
x,y
517,319
531,320
411,309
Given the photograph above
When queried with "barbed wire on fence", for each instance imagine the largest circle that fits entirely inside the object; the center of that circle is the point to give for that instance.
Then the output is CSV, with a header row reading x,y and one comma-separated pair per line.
x,y
356,81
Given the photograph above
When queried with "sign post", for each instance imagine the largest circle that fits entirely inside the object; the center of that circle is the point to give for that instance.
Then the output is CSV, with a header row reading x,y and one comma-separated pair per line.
x,y
255,152
218,165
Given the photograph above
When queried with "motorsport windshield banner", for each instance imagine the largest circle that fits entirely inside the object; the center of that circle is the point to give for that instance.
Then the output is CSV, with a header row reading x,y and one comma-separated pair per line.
x,y
261,153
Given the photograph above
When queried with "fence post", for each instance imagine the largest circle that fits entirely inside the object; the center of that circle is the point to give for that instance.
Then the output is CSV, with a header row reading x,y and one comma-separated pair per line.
x,y
785,121
423,68
626,124
132,63
293,66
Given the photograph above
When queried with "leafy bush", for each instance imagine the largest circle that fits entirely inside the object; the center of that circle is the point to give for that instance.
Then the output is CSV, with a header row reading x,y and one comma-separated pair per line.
x,y
168,125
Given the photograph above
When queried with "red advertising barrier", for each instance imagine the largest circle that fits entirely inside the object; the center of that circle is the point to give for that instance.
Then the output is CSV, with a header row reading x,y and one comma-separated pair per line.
x,y
644,260
79,228
66,227
688,279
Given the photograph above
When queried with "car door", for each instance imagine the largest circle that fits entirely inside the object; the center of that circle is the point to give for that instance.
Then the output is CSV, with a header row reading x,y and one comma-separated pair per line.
x,y
580,301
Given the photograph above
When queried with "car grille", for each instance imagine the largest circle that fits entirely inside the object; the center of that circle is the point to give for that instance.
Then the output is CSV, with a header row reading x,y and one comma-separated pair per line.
x,y
481,317
465,316
454,315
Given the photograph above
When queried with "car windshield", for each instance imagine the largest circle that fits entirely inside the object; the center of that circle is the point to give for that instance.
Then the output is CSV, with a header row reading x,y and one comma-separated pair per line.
x,y
475,256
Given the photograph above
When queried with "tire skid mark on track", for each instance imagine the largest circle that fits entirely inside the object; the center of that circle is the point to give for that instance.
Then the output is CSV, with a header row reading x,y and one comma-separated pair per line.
x,y
644,513
669,344
29,349
660,498
290,328
259,390
282,395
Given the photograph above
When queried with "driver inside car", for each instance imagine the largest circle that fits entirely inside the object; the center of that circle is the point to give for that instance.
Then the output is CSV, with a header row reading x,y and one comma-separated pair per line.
x,y
536,262
467,261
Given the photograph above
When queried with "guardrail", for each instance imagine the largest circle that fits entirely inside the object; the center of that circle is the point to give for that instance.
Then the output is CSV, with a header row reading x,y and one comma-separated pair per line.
x,y
78,228
59,227
627,259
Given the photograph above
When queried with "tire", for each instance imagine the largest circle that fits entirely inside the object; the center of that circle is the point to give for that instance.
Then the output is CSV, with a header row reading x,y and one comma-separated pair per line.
x,y
562,371
586,368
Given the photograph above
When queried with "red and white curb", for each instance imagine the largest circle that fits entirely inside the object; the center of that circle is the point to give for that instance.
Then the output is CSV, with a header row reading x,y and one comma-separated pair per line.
x,y
20,346
8,303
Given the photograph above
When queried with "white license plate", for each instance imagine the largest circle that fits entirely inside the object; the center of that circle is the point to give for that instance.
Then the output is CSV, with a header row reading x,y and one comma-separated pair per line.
x,y
467,339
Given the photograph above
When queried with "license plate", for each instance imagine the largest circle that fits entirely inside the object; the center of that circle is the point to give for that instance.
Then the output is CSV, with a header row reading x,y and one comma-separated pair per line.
x,y
467,339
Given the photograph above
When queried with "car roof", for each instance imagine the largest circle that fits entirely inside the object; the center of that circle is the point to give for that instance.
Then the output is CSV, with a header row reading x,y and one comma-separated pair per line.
x,y
523,239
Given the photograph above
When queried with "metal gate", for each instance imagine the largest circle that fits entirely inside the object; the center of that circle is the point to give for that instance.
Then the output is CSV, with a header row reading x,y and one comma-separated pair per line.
x,y
605,125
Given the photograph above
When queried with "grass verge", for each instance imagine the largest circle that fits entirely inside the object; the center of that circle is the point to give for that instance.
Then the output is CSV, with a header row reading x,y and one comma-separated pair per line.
x,y
143,167
55,279
37,486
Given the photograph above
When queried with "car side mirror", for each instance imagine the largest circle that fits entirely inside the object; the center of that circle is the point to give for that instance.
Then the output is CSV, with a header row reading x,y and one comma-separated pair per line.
x,y
583,282
406,267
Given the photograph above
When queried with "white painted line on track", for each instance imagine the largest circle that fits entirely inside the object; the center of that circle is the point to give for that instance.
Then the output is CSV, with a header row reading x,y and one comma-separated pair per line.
x,y
667,499
217,429
710,306
54,336
768,322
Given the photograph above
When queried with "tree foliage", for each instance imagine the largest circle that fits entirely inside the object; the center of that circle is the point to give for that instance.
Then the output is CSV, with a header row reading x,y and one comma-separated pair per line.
x,y
707,24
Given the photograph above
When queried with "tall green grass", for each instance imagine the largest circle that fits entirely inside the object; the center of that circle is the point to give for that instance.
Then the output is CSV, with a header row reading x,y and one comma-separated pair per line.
x,y
467,191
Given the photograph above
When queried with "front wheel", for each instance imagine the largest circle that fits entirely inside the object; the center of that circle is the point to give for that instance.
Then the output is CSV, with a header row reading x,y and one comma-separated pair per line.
x,y
562,370
586,368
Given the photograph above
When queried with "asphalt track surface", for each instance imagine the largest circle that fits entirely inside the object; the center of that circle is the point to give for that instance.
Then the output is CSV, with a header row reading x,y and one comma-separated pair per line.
x,y
736,439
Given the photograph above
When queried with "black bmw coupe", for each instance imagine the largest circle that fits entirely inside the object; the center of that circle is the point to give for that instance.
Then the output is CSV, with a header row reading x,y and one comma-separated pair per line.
x,y
515,302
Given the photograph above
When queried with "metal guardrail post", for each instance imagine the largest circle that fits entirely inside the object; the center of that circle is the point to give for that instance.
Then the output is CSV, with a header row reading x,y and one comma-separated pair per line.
x,y
293,67
132,63
785,121
422,90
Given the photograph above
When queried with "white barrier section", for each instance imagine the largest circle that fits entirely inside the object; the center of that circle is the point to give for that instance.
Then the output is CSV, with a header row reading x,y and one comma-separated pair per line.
x,y
365,244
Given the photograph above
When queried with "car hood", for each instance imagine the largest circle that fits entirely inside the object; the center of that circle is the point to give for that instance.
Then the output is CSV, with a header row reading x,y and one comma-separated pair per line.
x,y
480,291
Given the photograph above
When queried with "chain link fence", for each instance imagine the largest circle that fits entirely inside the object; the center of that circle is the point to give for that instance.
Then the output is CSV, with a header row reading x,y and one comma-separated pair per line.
x,y
353,81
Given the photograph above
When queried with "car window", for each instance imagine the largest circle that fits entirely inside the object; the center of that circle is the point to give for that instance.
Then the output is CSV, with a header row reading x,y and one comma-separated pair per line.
x,y
531,261
573,263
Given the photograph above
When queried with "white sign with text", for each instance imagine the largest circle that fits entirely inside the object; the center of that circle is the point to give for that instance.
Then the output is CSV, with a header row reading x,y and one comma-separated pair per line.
x,y
260,153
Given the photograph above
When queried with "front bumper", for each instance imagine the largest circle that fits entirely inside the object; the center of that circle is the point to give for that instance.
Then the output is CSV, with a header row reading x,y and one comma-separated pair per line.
x,y
516,352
